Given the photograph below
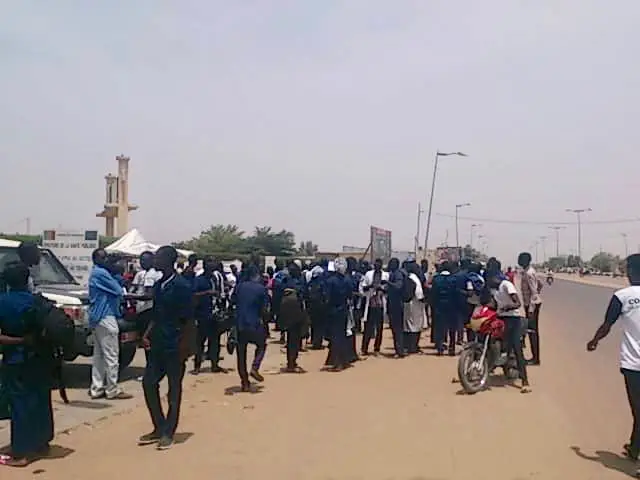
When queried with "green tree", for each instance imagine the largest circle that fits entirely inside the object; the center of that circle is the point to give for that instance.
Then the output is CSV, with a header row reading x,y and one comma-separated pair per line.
x,y
216,239
604,261
307,248
266,242
18,237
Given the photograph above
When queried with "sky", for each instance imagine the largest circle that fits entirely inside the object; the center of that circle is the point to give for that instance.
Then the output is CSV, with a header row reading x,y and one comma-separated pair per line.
x,y
323,117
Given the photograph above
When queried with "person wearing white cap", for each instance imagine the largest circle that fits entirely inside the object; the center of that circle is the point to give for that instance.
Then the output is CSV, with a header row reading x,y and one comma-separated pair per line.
x,y
339,290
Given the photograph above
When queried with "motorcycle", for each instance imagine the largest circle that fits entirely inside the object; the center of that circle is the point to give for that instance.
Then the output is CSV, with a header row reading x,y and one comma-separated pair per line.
x,y
549,279
480,358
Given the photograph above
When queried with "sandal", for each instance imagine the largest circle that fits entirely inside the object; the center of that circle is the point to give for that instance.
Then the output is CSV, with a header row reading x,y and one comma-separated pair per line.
x,y
8,461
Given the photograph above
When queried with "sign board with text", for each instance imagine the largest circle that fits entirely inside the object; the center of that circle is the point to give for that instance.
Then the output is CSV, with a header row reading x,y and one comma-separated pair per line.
x,y
380,244
73,249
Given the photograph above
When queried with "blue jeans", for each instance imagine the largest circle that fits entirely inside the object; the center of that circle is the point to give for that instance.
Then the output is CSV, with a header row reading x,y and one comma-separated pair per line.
x,y
513,342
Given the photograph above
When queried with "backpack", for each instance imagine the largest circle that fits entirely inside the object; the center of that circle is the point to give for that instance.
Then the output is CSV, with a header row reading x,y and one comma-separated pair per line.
x,y
55,330
291,312
408,289
316,293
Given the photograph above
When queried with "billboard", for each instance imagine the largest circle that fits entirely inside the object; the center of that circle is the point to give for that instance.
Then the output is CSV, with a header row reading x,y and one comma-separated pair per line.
x,y
73,249
380,244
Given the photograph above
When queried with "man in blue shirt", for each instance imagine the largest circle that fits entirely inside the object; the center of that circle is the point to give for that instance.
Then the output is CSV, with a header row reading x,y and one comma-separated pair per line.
x,y
105,302
251,299
167,340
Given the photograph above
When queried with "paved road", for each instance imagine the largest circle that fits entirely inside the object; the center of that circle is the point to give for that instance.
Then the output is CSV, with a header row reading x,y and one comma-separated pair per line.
x,y
388,419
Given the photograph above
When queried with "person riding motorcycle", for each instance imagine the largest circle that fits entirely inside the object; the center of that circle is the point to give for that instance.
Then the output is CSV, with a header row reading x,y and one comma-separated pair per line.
x,y
549,277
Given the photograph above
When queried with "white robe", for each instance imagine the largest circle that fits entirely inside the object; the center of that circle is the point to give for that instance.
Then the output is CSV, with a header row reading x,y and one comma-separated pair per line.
x,y
415,318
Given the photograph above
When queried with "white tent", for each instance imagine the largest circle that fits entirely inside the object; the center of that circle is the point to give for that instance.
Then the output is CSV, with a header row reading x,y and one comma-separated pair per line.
x,y
133,244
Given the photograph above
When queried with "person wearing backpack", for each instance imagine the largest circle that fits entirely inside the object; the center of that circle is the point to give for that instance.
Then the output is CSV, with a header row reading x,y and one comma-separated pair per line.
x,y
25,374
293,318
395,295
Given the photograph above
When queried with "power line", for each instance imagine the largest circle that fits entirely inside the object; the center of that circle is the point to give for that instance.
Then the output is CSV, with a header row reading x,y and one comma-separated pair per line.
x,y
534,222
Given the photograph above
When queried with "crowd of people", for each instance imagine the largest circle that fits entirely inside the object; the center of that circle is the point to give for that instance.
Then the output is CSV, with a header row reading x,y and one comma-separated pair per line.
x,y
325,304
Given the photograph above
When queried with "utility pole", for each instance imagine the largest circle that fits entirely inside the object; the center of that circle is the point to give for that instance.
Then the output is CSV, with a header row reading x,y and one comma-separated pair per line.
x,y
433,189
417,239
543,239
626,244
28,225
475,225
557,232
578,212
458,207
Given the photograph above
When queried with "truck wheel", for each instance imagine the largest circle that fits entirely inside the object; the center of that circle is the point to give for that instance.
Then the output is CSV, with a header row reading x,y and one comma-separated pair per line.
x,y
127,353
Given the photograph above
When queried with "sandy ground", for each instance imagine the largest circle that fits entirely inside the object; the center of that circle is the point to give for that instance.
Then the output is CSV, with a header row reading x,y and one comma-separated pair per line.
x,y
383,419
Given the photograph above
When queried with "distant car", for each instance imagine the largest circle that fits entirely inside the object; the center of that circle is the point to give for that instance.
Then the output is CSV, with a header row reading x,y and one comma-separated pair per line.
x,y
54,282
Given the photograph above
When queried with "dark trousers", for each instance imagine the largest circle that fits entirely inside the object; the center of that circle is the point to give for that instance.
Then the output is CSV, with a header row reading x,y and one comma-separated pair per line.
x,y
256,337
412,342
339,346
533,315
632,384
294,344
445,328
29,395
318,317
513,343
373,328
396,313
209,335
160,365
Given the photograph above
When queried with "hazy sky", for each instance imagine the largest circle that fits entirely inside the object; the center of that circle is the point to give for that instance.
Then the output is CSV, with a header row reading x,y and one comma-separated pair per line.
x,y
323,116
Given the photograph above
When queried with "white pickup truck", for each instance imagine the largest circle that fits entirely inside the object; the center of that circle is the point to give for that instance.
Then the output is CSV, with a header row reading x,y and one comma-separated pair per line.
x,y
54,281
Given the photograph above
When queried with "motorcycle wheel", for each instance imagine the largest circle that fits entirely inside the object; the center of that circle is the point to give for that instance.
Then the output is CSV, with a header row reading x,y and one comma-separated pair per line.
x,y
473,375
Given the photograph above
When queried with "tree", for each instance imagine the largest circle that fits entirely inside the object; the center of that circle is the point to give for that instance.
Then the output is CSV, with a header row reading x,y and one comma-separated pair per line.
x,y
265,242
217,238
230,241
604,261
307,249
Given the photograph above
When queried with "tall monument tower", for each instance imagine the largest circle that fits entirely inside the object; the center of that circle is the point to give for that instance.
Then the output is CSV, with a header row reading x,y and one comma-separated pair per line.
x,y
116,207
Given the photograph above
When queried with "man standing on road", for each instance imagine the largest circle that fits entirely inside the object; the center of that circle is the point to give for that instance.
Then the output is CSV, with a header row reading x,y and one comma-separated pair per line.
x,y
372,287
208,331
251,300
396,306
625,306
142,284
105,299
167,340
531,287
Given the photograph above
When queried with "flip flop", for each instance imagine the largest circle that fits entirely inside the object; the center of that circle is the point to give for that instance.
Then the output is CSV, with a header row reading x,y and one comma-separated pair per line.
x,y
8,461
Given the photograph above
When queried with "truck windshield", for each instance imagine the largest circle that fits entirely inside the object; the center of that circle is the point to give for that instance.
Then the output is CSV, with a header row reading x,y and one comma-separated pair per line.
x,y
49,272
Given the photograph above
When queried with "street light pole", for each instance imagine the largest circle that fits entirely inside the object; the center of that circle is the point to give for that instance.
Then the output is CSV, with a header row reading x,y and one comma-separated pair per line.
x,y
478,225
543,239
458,207
417,240
433,189
626,244
557,230
578,212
